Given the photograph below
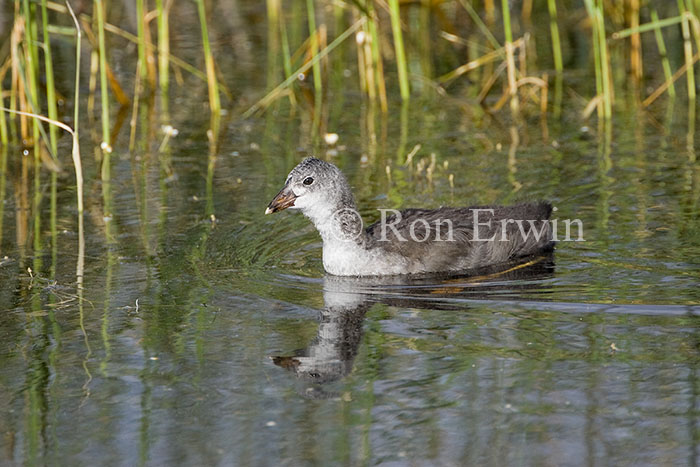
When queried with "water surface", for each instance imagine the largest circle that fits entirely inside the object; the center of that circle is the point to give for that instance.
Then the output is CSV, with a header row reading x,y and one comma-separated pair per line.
x,y
205,333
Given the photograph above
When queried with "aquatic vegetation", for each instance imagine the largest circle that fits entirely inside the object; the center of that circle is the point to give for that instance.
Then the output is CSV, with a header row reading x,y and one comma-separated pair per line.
x,y
455,49
503,45
143,290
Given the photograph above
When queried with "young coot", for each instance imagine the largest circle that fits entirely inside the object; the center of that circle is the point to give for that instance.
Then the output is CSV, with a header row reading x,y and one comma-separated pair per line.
x,y
410,241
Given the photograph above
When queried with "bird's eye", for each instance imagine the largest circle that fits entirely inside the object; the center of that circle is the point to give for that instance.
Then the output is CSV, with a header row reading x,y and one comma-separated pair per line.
x,y
308,180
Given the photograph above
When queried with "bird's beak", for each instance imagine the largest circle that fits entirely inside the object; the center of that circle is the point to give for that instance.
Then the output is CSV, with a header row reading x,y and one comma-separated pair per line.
x,y
282,200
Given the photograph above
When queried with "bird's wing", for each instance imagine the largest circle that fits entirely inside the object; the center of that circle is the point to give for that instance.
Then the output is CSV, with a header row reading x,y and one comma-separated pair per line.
x,y
461,238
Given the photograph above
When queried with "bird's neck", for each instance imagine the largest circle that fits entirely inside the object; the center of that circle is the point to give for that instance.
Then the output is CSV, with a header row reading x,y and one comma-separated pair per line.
x,y
339,224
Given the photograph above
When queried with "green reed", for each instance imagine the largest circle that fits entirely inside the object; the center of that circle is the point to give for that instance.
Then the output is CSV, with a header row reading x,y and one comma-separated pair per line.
x,y
687,51
214,100
4,137
277,92
655,25
636,67
50,86
554,32
368,65
175,61
662,23
605,64
32,78
510,61
75,153
104,95
286,55
395,14
662,52
163,23
600,53
378,67
483,28
141,44
31,66
274,11
425,39
135,107
361,63
314,47
3,176
596,53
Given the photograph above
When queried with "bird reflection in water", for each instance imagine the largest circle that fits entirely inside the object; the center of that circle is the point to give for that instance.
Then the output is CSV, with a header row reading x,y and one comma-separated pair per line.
x,y
331,354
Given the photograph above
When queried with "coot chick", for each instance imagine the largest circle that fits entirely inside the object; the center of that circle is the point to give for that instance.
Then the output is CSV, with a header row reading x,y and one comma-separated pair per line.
x,y
411,241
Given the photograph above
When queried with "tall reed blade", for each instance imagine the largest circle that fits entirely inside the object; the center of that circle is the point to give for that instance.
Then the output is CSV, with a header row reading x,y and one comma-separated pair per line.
x,y
635,42
316,69
275,93
50,86
163,19
141,44
3,174
104,94
313,45
214,100
77,163
360,39
31,68
286,55
395,13
600,53
554,32
4,137
688,51
370,70
510,61
662,51
273,41
378,66
605,70
590,8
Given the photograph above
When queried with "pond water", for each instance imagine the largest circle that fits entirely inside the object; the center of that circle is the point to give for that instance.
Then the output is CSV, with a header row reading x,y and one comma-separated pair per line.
x,y
202,332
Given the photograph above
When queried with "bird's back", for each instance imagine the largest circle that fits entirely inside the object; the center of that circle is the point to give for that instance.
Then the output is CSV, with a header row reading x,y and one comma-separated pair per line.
x,y
456,239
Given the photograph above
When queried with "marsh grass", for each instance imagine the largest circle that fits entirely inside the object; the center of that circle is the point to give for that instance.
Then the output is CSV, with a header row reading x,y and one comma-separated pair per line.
x,y
214,99
484,55
377,57
163,22
687,50
50,86
4,136
399,50
510,60
104,94
141,35
603,98
554,32
278,91
661,44
313,51
382,23
3,182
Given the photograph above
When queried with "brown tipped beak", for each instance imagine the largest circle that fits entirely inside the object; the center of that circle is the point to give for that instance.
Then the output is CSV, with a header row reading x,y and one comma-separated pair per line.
x,y
284,199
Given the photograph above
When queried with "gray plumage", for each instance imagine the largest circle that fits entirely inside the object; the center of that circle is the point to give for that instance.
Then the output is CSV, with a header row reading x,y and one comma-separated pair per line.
x,y
410,241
